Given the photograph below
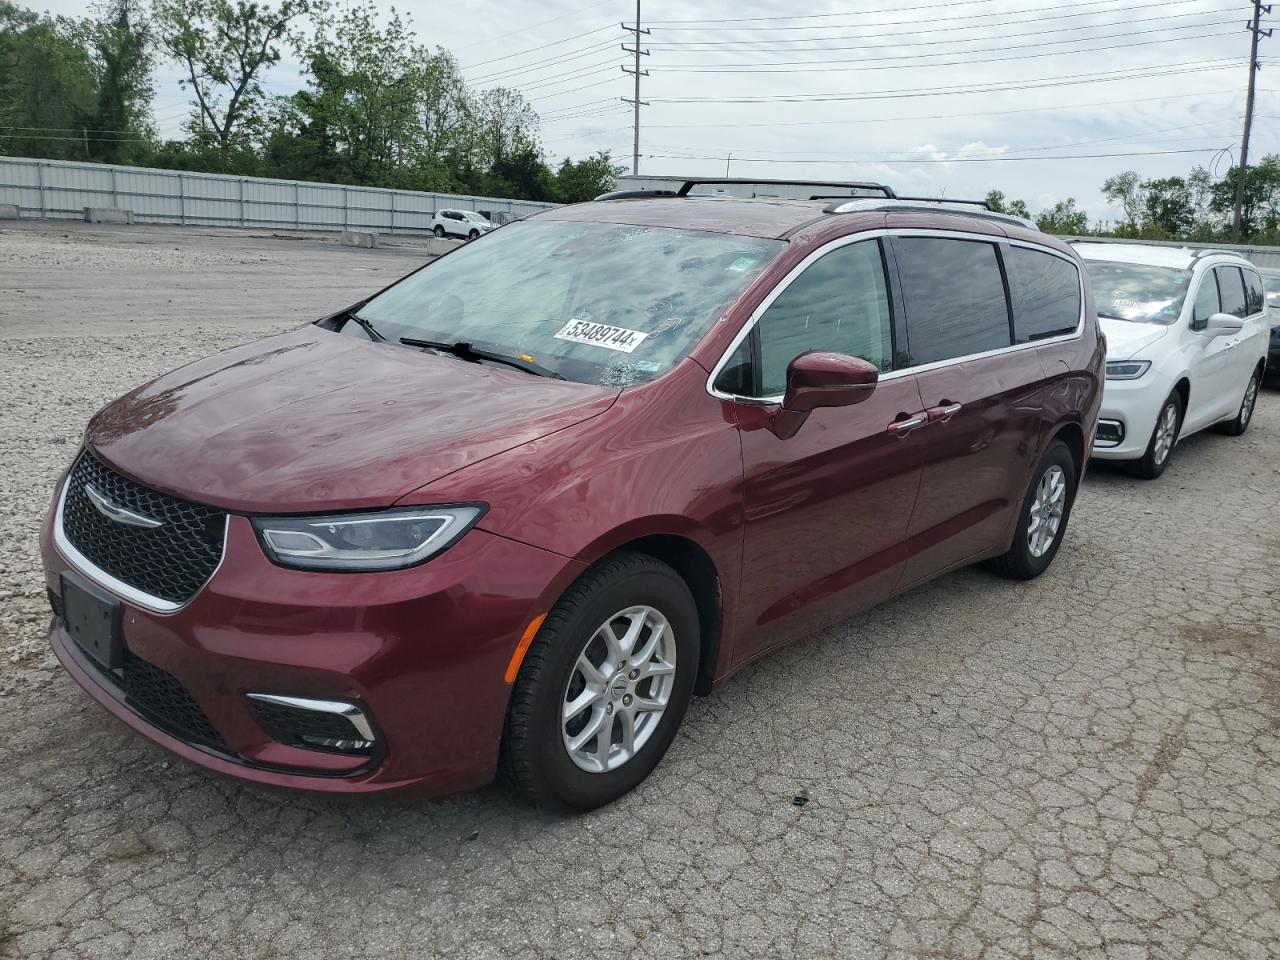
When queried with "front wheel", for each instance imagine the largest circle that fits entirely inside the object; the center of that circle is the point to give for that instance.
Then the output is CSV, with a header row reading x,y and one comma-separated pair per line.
x,y
438,231
1164,437
1043,521
473,234
1238,425
604,686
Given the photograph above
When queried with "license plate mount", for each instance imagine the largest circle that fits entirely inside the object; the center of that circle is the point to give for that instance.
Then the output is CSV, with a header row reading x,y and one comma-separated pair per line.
x,y
93,620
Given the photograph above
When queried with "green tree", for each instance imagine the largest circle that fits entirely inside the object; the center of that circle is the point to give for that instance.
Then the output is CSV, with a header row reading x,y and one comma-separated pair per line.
x,y
223,48
47,89
1064,218
119,44
1015,208
1170,210
1128,190
1260,211
586,179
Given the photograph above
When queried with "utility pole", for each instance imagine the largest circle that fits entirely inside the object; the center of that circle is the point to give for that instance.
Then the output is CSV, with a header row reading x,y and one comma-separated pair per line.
x,y
636,102
1242,172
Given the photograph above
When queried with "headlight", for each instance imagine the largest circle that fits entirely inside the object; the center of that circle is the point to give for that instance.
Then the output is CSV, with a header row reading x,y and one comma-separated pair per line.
x,y
1127,369
383,540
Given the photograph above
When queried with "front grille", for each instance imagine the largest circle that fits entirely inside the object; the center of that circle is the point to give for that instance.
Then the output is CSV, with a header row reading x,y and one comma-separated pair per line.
x,y
171,561
311,729
162,699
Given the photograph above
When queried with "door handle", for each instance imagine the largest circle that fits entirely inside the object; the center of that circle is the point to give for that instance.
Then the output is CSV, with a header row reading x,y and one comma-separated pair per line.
x,y
943,412
902,427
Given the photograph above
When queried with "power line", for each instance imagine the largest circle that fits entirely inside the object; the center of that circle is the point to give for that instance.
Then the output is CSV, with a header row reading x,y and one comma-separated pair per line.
x,y
547,63
534,26
914,31
933,21
859,13
544,46
831,65
1131,73
944,116
983,39
1000,159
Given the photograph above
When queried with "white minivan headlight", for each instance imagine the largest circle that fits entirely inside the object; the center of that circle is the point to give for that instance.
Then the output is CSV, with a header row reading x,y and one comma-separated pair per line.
x,y
379,540
1127,369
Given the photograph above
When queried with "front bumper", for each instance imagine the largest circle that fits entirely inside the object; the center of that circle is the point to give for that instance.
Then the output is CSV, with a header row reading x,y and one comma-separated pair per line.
x,y
1133,406
422,652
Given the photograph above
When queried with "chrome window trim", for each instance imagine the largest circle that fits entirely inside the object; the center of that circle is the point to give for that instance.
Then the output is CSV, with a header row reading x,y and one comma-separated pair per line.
x,y
82,564
852,238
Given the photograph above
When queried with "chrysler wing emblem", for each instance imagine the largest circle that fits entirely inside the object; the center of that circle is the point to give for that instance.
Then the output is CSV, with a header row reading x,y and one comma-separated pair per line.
x,y
113,511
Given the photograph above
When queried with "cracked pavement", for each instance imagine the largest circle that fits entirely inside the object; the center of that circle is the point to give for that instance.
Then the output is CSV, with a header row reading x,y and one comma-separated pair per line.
x,y
1083,766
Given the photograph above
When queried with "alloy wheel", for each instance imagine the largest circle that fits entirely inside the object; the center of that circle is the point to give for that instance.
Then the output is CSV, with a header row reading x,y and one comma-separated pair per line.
x,y
618,689
1046,511
1166,432
1250,398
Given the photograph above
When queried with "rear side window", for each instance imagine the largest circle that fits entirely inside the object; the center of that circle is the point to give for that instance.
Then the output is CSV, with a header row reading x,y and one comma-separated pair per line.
x,y
955,297
1231,287
1254,297
839,303
1207,303
1049,288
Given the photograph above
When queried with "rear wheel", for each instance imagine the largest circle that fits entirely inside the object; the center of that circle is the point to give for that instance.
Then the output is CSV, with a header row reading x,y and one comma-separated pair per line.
x,y
1240,424
438,231
1043,521
1163,439
604,686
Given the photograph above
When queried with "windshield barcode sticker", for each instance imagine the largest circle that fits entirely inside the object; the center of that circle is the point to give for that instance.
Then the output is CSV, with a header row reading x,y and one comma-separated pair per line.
x,y
601,335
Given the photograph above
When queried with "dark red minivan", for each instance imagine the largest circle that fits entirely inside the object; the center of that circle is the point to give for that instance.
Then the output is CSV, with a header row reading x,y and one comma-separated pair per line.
x,y
518,507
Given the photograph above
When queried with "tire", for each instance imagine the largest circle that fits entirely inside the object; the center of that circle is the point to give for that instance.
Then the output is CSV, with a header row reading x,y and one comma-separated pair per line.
x,y
438,231
1244,416
473,234
1160,447
536,757
1055,478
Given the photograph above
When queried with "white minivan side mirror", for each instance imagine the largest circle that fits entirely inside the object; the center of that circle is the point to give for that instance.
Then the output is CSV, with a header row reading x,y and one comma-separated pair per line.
x,y
1223,325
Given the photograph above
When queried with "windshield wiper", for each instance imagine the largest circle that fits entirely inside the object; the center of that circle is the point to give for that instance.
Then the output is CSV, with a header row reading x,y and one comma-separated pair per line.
x,y
366,326
465,351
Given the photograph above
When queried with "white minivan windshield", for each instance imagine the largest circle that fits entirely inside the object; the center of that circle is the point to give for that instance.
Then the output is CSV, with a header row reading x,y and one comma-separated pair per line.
x,y
1138,291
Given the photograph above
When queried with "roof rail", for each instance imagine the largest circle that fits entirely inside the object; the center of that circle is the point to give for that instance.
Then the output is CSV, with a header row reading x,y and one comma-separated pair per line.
x,y
870,205
637,194
1210,252
879,188
973,203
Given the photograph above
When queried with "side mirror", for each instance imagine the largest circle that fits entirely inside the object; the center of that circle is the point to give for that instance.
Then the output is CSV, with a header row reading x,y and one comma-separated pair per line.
x,y
823,379
1223,325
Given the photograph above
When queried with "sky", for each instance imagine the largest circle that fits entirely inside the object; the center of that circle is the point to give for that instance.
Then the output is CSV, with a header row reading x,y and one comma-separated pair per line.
x,y
934,99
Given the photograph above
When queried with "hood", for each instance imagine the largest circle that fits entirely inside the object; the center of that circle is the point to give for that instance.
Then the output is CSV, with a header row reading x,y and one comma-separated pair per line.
x,y
312,420
1126,339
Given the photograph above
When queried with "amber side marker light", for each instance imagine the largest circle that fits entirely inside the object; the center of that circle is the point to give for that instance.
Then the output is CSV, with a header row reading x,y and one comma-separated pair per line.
x,y
517,657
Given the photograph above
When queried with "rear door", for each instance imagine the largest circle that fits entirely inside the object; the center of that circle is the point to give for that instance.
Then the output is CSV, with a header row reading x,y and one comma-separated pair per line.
x,y
1251,346
826,508
981,397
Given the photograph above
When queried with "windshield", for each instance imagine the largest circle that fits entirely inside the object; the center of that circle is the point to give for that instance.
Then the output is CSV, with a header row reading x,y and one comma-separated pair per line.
x,y
474,217
594,302
1138,292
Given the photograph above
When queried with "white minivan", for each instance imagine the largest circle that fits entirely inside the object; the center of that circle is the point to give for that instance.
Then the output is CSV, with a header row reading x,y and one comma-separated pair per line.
x,y
1187,335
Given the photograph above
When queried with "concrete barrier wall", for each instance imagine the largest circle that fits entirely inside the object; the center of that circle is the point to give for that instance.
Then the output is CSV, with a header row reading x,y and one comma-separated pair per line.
x,y
60,189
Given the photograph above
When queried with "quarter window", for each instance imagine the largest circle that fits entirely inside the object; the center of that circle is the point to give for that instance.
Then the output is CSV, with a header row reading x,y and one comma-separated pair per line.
x,y
1049,287
955,297
1254,296
840,303
1231,288
1207,303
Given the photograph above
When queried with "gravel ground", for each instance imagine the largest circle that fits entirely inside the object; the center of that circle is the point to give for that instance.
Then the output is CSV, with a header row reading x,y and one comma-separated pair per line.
x,y
1084,766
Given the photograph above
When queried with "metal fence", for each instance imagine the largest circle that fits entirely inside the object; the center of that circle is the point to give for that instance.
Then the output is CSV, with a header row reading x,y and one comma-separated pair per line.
x,y
60,189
